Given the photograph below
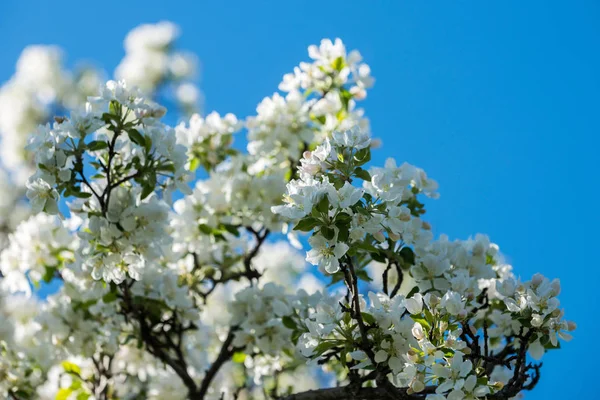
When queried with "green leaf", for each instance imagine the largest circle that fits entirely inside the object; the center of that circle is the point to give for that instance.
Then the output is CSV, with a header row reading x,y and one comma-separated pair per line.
x,y
545,341
347,318
323,205
363,156
323,347
368,318
321,119
296,336
97,145
147,190
343,356
377,256
362,174
327,232
81,195
109,297
362,274
343,217
422,321
367,247
343,233
207,230
338,63
148,144
306,224
288,322
114,108
110,118
71,368
238,357
448,352
428,316
232,229
336,277
408,255
194,164
49,273
412,292
75,384
166,167
63,394
136,137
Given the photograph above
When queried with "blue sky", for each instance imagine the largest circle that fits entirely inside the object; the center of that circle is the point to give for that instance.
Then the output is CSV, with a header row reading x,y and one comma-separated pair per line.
x,y
498,101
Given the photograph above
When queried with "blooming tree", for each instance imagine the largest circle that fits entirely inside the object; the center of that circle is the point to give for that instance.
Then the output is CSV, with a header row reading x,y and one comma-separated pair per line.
x,y
177,252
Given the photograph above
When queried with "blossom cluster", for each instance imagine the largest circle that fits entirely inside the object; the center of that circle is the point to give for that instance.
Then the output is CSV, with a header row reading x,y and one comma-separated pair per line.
x,y
462,291
134,155
321,97
37,250
40,85
152,60
208,296
383,213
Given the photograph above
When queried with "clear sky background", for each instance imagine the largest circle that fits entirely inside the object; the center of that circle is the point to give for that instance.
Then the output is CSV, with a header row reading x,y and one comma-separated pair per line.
x,y
498,101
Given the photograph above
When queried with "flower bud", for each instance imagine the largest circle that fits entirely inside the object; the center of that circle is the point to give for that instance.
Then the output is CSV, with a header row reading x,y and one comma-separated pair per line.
x,y
376,143
412,355
417,331
379,236
417,386
556,313
433,300
443,326
498,385
537,320
555,287
537,280
395,237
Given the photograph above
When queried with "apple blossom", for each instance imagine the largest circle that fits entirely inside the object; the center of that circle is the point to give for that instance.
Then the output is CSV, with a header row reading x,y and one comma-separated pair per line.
x,y
206,297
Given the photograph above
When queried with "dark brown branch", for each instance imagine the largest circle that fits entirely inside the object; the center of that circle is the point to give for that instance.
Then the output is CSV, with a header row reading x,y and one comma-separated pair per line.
x,y
353,283
251,273
351,393
154,346
225,354
384,277
400,279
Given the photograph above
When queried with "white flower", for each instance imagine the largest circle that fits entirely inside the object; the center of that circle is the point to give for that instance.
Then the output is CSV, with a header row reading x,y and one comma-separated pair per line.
x,y
536,350
414,305
453,303
42,196
325,254
353,138
453,374
361,357
418,332
347,196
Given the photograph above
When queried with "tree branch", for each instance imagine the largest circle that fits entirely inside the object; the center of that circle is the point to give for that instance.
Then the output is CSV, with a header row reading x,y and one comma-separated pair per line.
x,y
351,393
225,354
